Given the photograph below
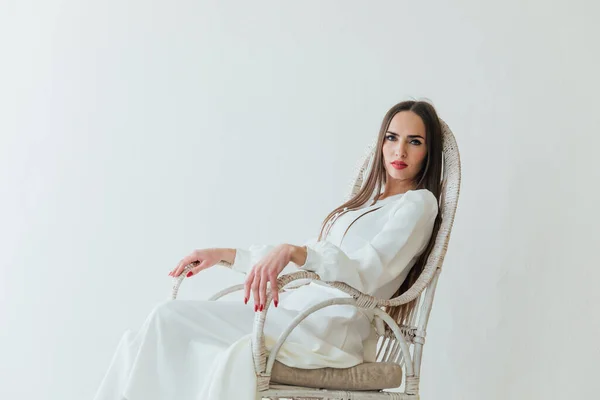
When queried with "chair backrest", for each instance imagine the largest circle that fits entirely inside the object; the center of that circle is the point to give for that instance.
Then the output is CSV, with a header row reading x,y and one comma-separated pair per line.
x,y
424,287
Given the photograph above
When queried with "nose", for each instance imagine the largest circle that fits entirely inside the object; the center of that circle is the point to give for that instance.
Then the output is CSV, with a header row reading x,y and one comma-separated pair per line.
x,y
401,150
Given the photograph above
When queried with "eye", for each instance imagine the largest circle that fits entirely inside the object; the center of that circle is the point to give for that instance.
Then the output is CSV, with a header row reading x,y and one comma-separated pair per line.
x,y
391,136
416,142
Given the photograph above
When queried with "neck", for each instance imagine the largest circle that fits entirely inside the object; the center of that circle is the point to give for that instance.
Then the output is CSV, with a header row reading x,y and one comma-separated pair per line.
x,y
393,188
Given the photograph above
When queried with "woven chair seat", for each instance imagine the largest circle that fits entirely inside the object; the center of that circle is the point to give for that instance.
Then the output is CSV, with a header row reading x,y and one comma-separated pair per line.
x,y
365,376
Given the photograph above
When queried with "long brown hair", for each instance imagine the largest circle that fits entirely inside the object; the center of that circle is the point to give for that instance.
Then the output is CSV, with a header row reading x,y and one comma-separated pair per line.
x,y
428,178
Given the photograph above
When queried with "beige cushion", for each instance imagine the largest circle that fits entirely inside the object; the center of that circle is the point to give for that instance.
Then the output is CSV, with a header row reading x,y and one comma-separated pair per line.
x,y
365,376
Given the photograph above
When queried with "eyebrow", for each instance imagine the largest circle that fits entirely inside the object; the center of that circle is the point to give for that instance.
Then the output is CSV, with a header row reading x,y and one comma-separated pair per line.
x,y
410,136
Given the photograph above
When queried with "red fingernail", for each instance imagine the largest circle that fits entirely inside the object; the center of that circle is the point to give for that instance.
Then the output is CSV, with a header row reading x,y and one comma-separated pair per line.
x,y
189,274
245,300
275,303
255,307
262,307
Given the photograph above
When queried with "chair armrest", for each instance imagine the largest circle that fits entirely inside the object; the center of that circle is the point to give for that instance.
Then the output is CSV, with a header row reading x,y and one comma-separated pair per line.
x,y
179,279
368,300
282,281
282,284
364,300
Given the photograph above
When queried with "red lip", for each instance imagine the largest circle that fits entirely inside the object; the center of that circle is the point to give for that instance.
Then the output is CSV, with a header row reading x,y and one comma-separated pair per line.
x,y
399,164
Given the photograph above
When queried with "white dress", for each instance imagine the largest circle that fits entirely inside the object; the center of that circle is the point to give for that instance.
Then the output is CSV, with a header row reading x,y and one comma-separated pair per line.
x,y
201,350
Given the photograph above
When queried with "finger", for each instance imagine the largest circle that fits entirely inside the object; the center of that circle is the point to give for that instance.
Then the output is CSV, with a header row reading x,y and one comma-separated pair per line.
x,y
274,288
177,270
255,286
184,263
248,285
198,268
174,270
262,290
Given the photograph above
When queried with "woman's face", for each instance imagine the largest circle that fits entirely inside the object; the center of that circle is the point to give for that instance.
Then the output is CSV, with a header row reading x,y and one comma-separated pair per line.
x,y
404,148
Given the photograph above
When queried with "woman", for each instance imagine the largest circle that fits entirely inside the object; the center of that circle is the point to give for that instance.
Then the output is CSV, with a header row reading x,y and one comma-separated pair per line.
x,y
377,242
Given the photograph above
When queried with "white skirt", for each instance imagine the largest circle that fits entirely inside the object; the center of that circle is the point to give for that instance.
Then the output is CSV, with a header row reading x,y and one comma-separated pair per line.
x,y
201,350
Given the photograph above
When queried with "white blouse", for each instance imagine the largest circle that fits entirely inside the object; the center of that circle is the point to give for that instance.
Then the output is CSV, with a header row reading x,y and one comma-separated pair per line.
x,y
371,249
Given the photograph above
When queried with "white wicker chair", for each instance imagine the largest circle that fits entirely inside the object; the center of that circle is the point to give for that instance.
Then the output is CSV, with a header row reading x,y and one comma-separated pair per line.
x,y
404,345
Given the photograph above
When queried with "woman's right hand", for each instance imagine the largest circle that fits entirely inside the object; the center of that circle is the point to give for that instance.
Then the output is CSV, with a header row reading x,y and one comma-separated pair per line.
x,y
206,257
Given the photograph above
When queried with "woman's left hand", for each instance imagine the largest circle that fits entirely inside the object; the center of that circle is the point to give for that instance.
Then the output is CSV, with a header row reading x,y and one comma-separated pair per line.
x,y
267,270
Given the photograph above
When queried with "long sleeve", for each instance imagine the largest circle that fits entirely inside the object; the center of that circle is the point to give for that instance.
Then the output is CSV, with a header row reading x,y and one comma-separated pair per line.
x,y
246,258
387,255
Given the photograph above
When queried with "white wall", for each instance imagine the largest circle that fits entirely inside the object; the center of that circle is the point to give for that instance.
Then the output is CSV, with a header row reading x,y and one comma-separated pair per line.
x,y
132,132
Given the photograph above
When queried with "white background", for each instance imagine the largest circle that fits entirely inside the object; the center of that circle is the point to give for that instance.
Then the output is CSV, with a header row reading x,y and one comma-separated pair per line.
x,y
132,132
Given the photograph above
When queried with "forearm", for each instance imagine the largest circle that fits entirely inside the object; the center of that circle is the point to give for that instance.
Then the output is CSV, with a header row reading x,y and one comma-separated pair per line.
x,y
227,255
298,254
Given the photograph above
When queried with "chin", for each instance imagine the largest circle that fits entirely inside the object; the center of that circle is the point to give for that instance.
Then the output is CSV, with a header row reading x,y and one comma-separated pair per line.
x,y
398,175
